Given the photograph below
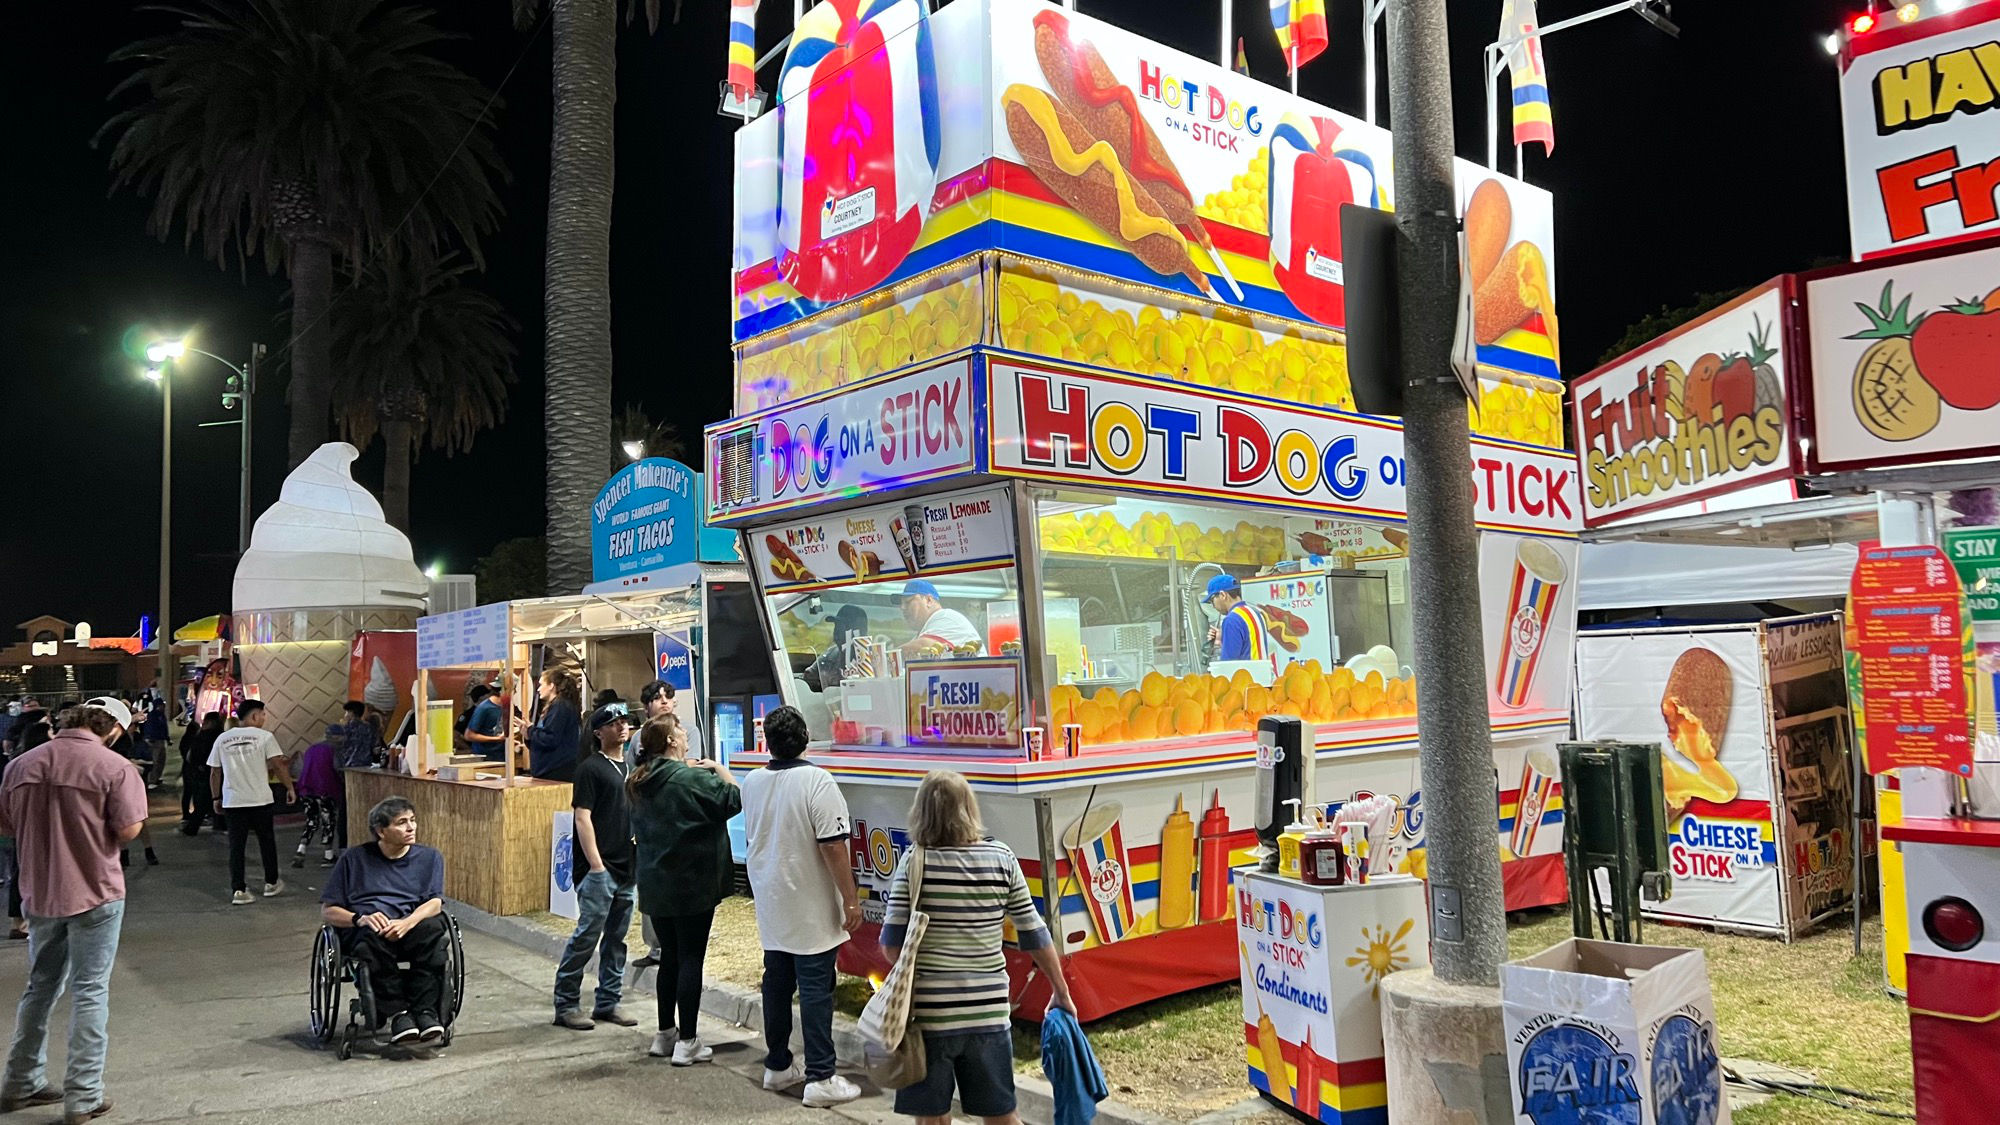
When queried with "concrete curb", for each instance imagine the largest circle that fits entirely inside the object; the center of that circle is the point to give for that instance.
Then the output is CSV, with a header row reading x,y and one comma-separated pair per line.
x,y
745,1008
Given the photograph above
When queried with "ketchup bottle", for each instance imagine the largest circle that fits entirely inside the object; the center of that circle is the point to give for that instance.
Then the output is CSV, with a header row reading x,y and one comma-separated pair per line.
x,y
1215,860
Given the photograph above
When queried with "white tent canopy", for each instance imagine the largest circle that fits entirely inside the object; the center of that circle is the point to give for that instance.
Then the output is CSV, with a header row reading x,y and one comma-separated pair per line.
x,y
1635,575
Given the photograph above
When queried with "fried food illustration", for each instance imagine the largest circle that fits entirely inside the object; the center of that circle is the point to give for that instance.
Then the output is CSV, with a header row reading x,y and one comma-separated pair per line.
x,y
1084,84
864,564
1085,173
1696,707
1284,626
1489,219
786,565
1517,289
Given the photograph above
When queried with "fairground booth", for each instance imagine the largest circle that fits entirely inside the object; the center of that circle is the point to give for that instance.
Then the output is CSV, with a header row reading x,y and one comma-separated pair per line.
x,y
1032,365
668,600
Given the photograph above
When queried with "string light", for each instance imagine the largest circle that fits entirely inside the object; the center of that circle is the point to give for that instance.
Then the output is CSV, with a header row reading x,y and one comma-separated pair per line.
x,y
1862,24
1909,12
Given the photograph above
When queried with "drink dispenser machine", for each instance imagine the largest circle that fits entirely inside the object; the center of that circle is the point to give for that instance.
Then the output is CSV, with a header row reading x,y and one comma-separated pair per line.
x,y
1282,776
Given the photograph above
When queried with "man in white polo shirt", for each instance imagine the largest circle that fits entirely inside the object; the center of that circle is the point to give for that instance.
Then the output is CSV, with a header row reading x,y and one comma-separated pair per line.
x,y
796,828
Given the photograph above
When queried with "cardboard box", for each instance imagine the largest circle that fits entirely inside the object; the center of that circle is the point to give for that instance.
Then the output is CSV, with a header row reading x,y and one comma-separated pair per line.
x,y
1599,1031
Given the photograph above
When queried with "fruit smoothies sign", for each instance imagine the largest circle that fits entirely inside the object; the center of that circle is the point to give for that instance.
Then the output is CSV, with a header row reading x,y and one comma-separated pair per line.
x,y
1915,645
1903,361
1696,414
965,704
1144,434
896,431
1063,138
1922,152
960,531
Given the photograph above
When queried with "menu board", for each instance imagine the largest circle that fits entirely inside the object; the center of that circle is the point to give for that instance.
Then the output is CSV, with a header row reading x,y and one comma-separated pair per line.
x,y
463,638
953,532
1909,631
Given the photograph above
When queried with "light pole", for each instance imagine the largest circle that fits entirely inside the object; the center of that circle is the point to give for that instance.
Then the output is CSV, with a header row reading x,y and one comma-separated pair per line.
x,y
165,354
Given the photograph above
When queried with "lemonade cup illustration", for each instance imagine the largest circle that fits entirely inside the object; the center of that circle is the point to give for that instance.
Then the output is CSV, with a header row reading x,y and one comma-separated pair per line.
x,y
1531,602
1095,842
1538,781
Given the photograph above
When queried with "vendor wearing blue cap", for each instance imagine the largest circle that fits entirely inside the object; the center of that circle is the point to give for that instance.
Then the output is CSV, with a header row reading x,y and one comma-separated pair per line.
x,y
1240,633
935,625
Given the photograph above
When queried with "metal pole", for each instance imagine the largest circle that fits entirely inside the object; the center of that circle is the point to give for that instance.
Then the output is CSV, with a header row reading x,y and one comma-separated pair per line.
x,y
164,631
1228,33
1492,118
1455,746
243,514
1371,13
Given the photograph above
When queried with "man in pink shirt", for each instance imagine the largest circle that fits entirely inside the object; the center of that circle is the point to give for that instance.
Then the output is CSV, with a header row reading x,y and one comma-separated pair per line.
x,y
70,803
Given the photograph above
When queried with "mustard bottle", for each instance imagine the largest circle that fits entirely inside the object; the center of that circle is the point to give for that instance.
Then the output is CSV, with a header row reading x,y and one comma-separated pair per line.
x,y
1290,840
1177,868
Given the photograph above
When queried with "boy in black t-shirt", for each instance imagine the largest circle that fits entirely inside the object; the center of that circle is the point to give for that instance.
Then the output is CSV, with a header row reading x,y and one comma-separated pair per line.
x,y
605,897
391,894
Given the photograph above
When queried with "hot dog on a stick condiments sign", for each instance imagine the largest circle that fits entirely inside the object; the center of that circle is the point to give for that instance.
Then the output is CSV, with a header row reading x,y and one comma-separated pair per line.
x,y
1910,629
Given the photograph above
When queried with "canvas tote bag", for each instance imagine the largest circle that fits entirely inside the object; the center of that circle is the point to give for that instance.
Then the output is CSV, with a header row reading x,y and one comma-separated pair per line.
x,y
893,1051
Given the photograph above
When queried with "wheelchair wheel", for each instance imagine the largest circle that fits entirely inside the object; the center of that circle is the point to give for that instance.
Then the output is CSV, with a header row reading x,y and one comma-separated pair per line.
x,y
325,995
454,975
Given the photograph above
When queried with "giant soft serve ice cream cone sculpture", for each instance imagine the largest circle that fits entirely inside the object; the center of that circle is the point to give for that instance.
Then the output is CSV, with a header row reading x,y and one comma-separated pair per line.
x,y
322,564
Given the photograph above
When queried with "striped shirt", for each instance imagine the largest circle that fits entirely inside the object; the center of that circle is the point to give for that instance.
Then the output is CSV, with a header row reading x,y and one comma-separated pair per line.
x,y
961,972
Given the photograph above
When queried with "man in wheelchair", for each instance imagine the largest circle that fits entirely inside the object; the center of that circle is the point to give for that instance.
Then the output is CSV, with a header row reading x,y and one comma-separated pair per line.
x,y
387,899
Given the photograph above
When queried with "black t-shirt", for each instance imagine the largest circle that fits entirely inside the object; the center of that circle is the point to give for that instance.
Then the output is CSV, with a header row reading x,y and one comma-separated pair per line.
x,y
600,787
365,881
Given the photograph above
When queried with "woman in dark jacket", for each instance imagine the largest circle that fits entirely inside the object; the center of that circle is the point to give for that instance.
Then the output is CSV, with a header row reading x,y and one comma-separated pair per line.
x,y
554,740
196,800
680,818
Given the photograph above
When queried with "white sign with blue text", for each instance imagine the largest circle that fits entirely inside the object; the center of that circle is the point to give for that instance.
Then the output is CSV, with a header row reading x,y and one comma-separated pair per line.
x,y
463,638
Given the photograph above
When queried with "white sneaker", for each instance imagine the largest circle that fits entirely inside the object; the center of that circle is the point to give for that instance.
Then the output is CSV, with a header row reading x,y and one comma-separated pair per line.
x,y
241,898
273,890
831,1091
775,1080
663,1044
688,1052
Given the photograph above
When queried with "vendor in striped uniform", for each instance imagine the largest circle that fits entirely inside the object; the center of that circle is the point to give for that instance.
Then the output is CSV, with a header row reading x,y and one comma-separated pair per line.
x,y
971,887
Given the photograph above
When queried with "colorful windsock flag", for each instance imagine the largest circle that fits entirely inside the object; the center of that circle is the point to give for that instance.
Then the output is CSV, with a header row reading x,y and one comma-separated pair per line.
x,y
1301,28
742,47
1242,60
1533,123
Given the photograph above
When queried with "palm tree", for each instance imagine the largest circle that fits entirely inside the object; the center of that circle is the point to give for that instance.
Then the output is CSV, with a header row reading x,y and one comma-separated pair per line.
x,y
423,360
658,439
577,284
306,133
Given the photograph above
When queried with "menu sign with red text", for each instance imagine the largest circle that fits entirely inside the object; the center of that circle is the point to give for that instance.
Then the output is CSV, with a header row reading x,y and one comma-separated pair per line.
x,y
1909,631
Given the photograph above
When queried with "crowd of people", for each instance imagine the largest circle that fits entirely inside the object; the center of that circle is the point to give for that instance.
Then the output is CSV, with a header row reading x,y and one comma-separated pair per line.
x,y
651,817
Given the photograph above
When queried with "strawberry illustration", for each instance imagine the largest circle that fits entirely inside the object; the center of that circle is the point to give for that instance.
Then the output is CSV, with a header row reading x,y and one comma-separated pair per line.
x,y
1957,351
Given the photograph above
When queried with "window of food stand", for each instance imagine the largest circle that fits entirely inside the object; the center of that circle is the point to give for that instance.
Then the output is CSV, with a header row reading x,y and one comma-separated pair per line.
x,y
1128,653
826,682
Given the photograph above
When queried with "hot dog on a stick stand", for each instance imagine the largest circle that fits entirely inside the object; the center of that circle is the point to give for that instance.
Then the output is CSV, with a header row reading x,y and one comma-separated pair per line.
x,y
1030,367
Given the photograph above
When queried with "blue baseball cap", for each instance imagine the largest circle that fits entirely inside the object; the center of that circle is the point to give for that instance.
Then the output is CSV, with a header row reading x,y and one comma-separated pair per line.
x,y
1221,584
917,586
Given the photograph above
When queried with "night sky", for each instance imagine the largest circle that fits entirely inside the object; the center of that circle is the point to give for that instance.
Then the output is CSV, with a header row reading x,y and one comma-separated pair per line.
x,y
1685,166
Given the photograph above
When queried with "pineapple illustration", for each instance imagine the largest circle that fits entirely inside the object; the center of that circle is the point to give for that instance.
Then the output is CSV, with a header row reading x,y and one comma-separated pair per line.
x,y
1891,399
1770,391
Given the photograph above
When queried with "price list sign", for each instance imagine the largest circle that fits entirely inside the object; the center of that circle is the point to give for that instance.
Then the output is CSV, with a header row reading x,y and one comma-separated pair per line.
x,y
1909,630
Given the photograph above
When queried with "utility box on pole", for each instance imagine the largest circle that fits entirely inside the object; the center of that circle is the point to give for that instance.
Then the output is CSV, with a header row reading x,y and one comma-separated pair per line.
x,y
1614,823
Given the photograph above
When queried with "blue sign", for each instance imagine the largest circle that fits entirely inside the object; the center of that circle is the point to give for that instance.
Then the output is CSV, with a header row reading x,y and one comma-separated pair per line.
x,y
643,528
1571,1075
674,660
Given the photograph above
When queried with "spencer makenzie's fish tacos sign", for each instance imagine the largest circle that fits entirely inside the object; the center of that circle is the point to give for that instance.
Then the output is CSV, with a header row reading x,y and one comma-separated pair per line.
x,y
1691,418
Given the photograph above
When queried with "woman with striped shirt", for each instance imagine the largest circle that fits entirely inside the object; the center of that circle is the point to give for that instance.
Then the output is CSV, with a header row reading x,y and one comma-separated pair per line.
x,y
971,885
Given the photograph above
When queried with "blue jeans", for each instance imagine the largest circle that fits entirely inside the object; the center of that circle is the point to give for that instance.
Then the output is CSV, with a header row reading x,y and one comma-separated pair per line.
x,y
76,951
604,914
811,976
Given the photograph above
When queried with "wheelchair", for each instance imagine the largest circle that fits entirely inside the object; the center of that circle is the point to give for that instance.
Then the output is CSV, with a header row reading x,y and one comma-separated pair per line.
x,y
333,967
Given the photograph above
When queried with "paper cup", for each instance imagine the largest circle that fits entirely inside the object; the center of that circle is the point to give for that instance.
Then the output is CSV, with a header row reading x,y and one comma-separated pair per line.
x,y
1095,843
1072,739
1539,771
1531,601
1354,843
1037,741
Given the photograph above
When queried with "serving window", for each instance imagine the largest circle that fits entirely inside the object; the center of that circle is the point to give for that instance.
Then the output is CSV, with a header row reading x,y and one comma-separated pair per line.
x,y
1132,650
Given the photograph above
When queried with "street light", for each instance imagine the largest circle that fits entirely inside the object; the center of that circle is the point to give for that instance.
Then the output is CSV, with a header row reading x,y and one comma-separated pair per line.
x,y
635,449
241,385
165,350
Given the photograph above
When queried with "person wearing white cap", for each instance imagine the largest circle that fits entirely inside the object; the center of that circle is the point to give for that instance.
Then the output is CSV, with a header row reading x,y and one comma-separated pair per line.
x,y
70,804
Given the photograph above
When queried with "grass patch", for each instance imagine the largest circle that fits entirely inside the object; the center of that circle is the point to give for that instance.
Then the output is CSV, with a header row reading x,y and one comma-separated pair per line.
x,y
1810,1005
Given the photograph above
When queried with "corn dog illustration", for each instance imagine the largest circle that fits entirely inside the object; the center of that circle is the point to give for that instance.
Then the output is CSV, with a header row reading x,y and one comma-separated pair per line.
x,y
1517,288
1489,219
786,565
864,564
1084,84
1085,173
